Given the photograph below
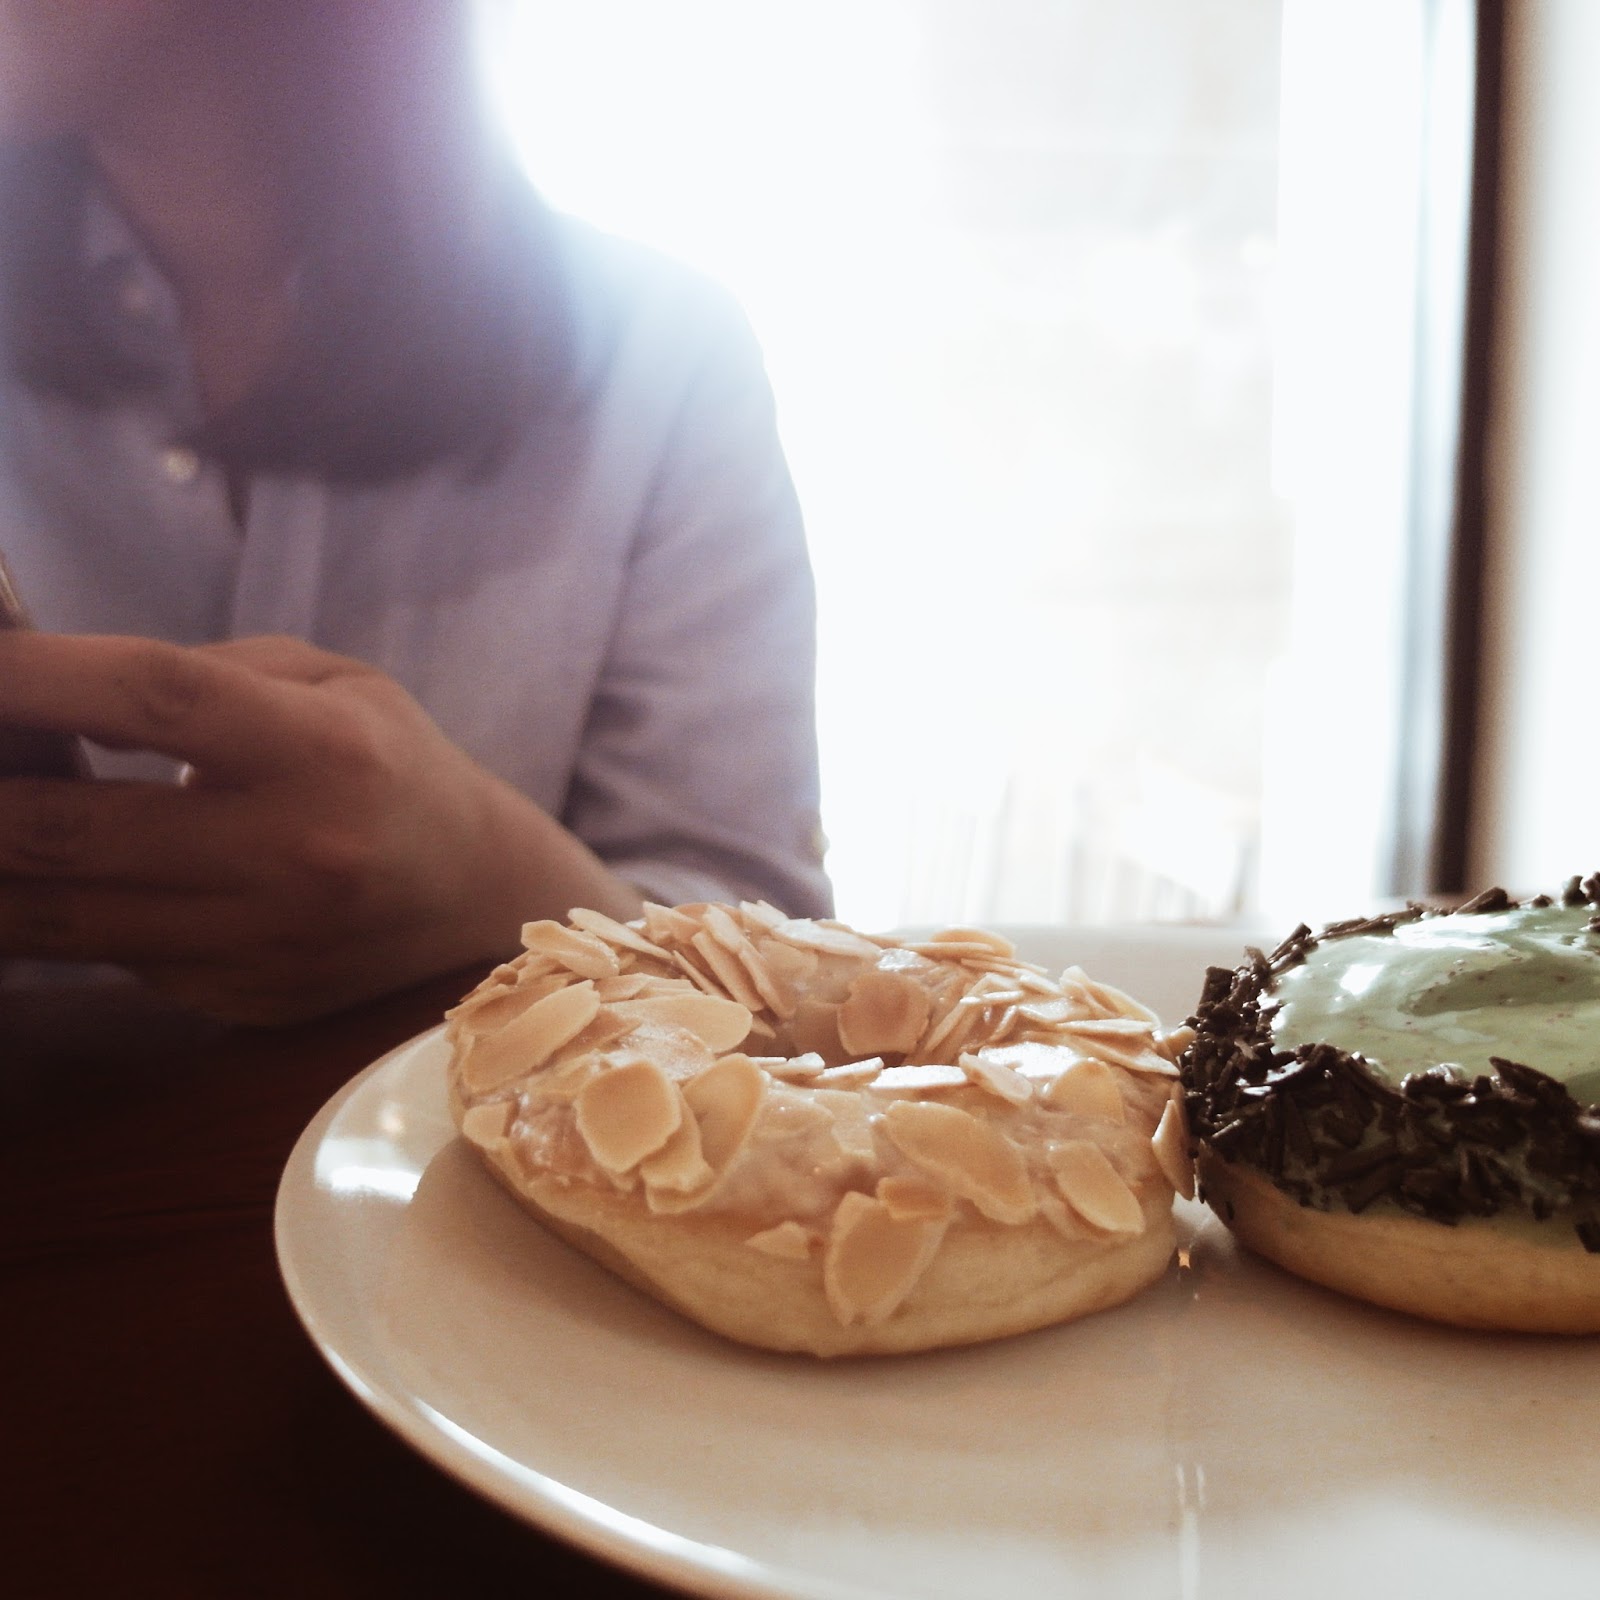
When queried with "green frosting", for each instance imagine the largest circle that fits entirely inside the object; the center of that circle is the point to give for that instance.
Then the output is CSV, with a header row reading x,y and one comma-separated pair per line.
x,y
1523,984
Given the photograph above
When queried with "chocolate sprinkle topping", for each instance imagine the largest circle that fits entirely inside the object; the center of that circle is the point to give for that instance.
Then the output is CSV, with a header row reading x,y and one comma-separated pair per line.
x,y
1333,1135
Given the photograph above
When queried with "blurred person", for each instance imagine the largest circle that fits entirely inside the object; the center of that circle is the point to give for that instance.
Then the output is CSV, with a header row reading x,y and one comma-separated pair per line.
x,y
418,562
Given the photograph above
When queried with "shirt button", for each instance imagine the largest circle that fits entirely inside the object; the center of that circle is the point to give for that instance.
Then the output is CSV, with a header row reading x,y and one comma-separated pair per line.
x,y
180,464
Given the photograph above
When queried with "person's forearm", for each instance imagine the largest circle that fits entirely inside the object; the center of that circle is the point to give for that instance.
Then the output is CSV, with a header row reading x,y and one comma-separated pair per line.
x,y
539,869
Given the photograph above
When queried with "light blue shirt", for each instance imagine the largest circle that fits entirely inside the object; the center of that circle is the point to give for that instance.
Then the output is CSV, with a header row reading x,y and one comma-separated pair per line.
x,y
619,621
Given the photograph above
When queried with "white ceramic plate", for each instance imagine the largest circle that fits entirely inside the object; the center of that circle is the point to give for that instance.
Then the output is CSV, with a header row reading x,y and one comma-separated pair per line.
x,y
1232,1433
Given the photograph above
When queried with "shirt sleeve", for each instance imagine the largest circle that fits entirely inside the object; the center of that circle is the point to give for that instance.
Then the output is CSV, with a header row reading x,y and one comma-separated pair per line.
x,y
697,775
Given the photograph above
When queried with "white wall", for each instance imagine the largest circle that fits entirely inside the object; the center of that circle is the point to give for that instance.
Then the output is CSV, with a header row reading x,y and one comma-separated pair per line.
x,y
1539,770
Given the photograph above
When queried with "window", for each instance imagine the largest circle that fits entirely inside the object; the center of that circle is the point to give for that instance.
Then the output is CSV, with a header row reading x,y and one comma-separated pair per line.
x,y
1094,335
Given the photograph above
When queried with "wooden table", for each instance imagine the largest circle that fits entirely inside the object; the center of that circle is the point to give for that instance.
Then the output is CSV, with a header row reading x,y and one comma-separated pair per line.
x,y
168,1427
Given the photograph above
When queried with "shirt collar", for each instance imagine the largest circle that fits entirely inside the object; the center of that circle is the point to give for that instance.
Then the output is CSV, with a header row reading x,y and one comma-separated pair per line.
x,y
135,303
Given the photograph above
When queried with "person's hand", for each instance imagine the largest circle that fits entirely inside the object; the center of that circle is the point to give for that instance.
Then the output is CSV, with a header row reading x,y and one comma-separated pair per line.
x,y
328,843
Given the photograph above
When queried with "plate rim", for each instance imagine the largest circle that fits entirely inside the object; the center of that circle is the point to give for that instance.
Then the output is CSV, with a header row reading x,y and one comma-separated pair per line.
x,y
580,1520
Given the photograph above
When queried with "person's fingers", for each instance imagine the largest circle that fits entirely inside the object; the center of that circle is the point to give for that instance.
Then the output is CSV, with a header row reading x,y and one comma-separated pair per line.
x,y
283,656
43,921
150,834
226,719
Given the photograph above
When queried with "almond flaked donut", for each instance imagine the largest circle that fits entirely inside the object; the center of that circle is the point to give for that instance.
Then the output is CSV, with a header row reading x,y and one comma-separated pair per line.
x,y
806,1138
1403,1108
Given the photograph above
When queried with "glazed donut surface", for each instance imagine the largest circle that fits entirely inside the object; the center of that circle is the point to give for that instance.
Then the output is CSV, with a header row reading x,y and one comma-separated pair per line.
x,y
807,1138
1360,1119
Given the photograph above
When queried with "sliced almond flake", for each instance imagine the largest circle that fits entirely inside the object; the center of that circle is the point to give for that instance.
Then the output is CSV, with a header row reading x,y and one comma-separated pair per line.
x,y
518,974
1171,1145
943,1001
1110,1027
727,969
918,1079
604,1029
992,969
622,935
562,1084
667,926
789,1241
910,1197
622,1182
679,1053
833,941
704,981
628,1113
761,1036
998,996
1113,1001
993,961
852,1123
872,1262
936,1041
884,1012
778,996
946,982
525,1043
968,1155
1063,1218
488,1125
814,1028
997,1078
726,1100
1093,1187
721,1024
795,1069
989,982
851,1074
498,982
1119,1055
1078,988
679,1167
476,1000
1125,1004
626,987
1087,1089
533,964
1041,1062
662,983
993,943
1051,1013
1036,981
788,962
1074,977
758,914
577,951
493,1011
896,958
786,1115
1008,1026
719,925
665,1202
1173,1043
950,950
1019,966
970,1028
